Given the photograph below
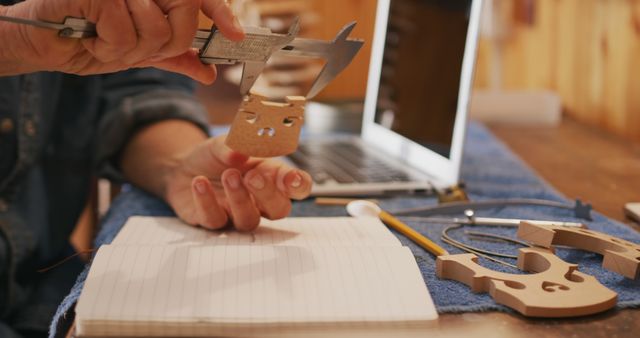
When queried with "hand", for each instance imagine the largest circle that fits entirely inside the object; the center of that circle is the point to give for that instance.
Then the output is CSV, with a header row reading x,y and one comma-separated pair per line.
x,y
213,186
131,33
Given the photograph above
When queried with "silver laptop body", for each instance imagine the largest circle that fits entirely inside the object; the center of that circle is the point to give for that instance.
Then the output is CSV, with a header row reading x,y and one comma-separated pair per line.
x,y
416,104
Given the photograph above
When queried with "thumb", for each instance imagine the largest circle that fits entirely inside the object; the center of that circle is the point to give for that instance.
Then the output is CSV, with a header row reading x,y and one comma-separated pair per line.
x,y
225,155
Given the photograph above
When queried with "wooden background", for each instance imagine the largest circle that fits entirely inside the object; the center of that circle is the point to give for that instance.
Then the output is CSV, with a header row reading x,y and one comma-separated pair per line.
x,y
588,51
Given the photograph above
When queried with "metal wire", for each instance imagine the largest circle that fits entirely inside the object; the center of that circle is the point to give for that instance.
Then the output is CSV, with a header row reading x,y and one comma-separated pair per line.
x,y
486,252
36,23
464,248
499,237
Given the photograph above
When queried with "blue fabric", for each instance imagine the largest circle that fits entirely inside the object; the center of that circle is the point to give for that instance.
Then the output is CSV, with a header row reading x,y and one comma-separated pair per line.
x,y
490,170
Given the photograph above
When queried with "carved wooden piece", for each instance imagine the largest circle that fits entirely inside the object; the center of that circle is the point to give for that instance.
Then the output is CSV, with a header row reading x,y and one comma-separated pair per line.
x,y
556,289
263,128
619,255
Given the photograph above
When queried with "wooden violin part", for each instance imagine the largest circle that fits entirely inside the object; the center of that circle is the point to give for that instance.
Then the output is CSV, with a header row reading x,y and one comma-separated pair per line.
x,y
263,128
554,289
620,256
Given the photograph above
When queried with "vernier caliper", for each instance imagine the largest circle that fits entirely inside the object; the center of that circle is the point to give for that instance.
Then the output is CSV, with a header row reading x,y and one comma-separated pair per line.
x,y
254,51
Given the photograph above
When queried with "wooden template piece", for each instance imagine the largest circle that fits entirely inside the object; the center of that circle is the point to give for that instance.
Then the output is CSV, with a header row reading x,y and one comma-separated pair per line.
x,y
619,255
556,289
263,128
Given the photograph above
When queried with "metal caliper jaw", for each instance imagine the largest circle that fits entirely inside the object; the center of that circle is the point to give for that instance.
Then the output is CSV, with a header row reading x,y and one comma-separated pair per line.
x,y
261,43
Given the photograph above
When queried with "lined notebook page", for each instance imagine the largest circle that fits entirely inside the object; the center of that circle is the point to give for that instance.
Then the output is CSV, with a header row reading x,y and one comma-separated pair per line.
x,y
180,290
334,231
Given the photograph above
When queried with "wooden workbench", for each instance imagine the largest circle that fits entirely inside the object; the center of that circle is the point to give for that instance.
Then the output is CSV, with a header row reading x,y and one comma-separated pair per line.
x,y
581,162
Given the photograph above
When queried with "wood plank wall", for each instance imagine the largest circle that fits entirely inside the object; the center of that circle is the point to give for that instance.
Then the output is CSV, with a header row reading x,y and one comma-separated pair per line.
x,y
588,51
334,14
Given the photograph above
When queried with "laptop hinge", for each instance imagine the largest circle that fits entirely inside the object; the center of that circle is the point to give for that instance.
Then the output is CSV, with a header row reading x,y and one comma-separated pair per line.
x,y
455,193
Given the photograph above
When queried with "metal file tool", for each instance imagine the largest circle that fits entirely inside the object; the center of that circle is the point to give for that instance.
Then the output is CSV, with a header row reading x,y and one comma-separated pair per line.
x,y
70,28
472,219
254,51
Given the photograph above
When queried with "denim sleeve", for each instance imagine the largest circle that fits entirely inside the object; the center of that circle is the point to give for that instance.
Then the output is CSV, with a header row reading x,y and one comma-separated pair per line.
x,y
136,98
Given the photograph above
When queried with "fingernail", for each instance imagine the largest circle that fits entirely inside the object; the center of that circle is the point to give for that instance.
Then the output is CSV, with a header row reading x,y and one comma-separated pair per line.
x,y
297,181
234,181
201,187
257,182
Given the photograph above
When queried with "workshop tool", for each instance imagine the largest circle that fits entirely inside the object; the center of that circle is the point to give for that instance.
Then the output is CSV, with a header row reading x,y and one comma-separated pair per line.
x,y
340,201
363,208
263,128
490,255
580,209
70,28
491,221
555,288
254,51
632,210
619,255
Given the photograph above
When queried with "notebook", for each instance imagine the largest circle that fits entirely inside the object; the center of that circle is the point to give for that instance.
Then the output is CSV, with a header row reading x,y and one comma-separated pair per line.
x,y
415,113
293,277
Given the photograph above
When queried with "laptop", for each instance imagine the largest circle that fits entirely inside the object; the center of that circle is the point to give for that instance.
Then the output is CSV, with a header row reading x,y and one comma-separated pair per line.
x,y
416,104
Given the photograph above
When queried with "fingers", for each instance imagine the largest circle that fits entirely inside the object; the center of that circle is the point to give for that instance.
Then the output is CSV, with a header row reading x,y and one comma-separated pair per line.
x,y
209,213
116,31
243,199
152,29
225,155
251,188
272,202
223,18
131,31
182,17
296,184
292,182
187,64
244,212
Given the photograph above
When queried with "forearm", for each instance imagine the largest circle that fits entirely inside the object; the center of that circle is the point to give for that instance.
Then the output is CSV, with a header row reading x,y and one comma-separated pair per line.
x,y
153,152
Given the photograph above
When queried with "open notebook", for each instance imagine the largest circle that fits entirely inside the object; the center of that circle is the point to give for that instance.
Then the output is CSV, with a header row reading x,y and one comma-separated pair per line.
x,y
293,277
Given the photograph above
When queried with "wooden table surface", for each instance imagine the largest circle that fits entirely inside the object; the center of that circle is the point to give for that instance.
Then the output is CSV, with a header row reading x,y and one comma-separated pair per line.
x,y
580,162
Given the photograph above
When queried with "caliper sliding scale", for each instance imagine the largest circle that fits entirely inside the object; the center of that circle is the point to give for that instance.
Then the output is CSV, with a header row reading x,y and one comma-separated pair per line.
x,y
260,44
254,51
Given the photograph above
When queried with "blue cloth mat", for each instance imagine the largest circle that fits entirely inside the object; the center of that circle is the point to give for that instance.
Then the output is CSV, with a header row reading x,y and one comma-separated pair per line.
x,y
490,170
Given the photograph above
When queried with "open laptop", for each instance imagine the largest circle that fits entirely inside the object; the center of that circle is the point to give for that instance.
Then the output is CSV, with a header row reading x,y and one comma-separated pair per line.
x,y
415,112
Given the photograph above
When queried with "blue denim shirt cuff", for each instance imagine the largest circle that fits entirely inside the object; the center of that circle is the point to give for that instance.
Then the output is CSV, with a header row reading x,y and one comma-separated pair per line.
x,y
118,125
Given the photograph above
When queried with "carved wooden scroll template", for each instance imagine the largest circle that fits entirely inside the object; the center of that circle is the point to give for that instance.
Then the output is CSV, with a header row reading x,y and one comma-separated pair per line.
x,y
555,289
619,255
263,128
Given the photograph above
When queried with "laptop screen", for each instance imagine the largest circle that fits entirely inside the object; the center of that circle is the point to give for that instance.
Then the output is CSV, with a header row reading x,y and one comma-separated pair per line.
x,y
418,97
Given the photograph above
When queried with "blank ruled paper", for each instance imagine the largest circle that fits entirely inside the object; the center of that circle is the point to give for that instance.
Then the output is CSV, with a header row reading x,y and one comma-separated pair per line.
x,y
199,284
334,231
250,285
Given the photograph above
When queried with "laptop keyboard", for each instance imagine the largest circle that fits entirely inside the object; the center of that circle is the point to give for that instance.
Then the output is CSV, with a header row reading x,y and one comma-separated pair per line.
x,y
344,162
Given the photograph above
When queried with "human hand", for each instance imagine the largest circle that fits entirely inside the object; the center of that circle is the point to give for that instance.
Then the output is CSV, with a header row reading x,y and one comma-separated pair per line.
x,y
131,33
213,186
